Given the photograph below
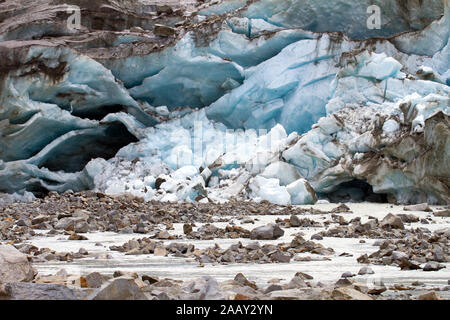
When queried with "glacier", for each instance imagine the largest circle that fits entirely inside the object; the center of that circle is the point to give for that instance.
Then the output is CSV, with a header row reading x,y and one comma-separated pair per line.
x,y
281,101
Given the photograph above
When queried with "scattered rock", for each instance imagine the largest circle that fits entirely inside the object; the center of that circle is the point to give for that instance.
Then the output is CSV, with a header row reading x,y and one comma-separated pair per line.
x,y
118,289
294,221
429,296
418,207
95,280
244,281
348,293
267,232
392,221
365,270
347,274
76,237
35,291
316,237
14,266
273,287
187,228
443,213
433,266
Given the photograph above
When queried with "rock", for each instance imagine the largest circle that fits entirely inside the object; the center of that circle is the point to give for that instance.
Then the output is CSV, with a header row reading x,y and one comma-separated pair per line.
x,y
267,232
133,252
36,291
444,213
14,266
438,254
347,274
66,224
297,282
81,227
316,237
418,207
365,270
430,296
273,287
304,276
290,294
150,279
39,219
162,30
280,257
363,259
160,252
406,264
76,237
294,221
119,289
244,281
205,288
433,266
348,293
163,235
376,290
187,228
343,282
341,209
95,280
398,255
392,221
240,296
408,218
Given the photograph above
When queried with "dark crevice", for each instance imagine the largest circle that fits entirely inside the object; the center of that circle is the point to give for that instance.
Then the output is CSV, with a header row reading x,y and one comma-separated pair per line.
x,y
76,152
98,113
356,191
38,190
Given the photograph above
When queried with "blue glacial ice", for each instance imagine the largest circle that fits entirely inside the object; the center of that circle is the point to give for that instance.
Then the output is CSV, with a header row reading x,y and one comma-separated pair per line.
x,y
279,103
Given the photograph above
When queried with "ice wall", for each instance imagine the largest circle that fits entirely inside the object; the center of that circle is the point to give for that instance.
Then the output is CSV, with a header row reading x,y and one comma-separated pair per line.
x,y
285,101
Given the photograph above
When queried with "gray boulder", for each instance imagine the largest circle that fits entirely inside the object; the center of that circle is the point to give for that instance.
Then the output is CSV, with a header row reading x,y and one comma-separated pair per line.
x,y
392,221
205,288
268,232
14,265
119,289
37,291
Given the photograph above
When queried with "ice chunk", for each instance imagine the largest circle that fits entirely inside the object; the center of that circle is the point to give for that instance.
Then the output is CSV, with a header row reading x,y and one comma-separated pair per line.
x,y
283,171
301,192
270,190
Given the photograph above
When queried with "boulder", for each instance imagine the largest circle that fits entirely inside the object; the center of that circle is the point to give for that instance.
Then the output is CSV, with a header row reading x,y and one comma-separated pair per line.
x,y
348,293
244,281
294,221
205,288
433,266
268,232
119,289
14,266
429,296
38,291
418,207
365,270
392,221
95,280
443,213
290,294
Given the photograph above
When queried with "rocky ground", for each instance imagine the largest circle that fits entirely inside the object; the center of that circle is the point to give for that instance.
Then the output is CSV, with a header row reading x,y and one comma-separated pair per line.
x,y
94,246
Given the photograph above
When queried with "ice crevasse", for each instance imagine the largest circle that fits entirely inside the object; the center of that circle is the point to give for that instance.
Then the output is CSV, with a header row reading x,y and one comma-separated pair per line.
x,y
270,107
